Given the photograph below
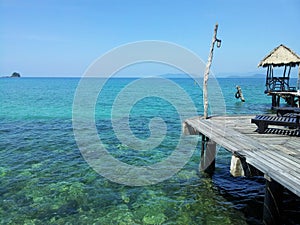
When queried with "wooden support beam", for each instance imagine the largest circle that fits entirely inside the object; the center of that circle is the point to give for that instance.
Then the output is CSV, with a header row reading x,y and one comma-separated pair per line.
x,y
188,130
249,170
298,82
208,156
273,100
272,202
203,142
272,74
278,101
267,80
284,72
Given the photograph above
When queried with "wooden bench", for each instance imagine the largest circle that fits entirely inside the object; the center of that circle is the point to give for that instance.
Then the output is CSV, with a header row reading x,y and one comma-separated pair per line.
x,y
263,121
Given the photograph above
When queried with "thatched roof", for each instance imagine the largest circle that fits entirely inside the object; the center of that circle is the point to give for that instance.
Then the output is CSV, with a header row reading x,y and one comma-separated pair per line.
x,y
281,56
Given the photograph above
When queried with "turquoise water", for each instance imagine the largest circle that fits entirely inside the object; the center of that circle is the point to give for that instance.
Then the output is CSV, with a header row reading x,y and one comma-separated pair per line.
x,y
44,179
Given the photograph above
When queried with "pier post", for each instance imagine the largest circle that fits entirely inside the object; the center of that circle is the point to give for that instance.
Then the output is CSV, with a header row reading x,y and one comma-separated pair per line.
x,y
272,202
278,101
203,143
208,156
188,130
275,101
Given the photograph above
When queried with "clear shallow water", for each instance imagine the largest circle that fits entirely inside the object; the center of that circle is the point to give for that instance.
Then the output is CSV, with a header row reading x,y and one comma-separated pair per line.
x,y
45,180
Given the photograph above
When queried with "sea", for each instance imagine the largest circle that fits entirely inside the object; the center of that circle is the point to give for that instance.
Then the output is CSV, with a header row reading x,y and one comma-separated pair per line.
x,y
46,178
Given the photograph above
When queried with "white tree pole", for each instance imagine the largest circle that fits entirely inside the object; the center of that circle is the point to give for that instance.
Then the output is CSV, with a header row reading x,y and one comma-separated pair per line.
x,y
207,69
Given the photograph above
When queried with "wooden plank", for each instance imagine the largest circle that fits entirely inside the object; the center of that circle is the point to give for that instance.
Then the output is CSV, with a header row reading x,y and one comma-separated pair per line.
x,y
286,178
205,130
239,139
286,160
224,136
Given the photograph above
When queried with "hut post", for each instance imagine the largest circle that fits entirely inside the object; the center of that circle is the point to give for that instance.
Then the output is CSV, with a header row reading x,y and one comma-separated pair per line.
x,y
298,81
284,72
298,86
207,69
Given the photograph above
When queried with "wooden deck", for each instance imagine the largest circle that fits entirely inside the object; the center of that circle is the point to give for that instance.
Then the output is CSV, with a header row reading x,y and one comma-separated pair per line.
x,y
294,93
276,153
291,98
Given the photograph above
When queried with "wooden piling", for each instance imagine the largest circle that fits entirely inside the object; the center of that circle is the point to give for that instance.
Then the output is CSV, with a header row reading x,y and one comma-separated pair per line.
x,y
208,155
275,100
272,202
203,145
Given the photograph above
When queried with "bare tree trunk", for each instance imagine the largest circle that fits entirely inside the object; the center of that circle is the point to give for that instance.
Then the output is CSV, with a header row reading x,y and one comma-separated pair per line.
x,y
207,69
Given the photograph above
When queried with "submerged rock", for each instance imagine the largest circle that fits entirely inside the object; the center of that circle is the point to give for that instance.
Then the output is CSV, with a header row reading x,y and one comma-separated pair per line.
x,y
154,219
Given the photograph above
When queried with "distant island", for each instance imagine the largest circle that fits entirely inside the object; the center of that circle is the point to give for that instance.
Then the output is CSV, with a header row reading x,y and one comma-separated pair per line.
x,y
14,75
220,75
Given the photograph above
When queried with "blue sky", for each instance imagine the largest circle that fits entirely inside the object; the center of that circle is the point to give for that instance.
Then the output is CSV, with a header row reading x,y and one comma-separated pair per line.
x,y
62,38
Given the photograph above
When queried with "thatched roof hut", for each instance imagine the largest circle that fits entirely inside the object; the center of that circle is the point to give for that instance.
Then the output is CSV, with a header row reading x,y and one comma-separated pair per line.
x,y
280,56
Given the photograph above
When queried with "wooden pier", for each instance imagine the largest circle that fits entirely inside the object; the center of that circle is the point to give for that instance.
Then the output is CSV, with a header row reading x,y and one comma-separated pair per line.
x,y
276,154
292,98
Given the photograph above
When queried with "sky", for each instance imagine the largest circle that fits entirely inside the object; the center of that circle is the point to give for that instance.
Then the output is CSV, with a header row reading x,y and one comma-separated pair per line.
x,y
62,38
